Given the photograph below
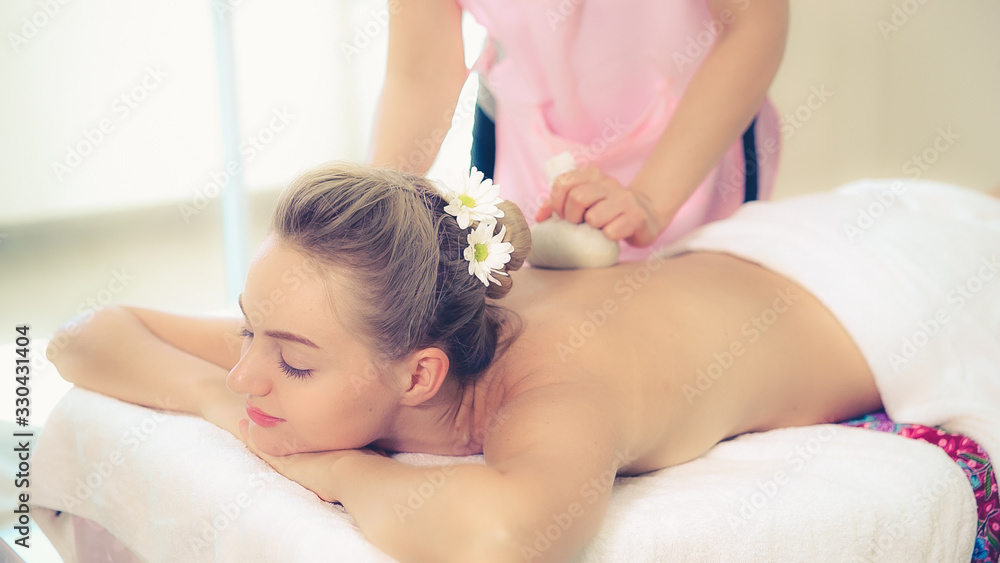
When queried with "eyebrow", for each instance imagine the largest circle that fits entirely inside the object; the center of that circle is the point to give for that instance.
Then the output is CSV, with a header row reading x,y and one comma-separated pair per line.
x,y
280,334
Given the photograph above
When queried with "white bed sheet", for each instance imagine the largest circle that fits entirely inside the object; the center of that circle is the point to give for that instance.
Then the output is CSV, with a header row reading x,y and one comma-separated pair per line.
x,y
175,488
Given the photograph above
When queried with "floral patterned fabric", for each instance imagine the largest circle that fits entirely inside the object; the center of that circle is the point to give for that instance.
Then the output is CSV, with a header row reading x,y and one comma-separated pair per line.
x,y
973,460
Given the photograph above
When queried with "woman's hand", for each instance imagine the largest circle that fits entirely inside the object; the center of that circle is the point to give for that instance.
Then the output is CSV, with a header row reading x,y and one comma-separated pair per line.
x,y
312,470
589,195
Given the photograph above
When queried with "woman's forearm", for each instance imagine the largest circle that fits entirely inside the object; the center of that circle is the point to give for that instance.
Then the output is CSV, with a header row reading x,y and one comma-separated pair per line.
x,y
113,352
719,103
442,513
213,339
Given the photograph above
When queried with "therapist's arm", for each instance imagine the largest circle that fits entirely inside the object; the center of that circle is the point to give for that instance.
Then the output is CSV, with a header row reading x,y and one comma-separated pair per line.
x,y
720,102
425,72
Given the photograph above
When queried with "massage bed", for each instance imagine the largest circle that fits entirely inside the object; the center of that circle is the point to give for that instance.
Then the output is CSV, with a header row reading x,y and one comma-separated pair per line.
x,y
119,479
118,482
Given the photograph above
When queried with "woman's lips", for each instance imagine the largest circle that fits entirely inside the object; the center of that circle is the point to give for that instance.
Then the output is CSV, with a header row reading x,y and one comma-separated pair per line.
x,y
261,418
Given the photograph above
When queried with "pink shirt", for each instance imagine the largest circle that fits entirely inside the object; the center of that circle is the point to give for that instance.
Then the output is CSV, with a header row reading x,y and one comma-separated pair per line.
x,y
601,79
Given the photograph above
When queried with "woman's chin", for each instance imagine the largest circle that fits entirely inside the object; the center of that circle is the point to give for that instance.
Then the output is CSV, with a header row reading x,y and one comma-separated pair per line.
x,y
272,443
273,449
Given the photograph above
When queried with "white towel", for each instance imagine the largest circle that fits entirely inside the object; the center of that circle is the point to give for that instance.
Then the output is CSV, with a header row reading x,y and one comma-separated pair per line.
x,y
176,488
912,271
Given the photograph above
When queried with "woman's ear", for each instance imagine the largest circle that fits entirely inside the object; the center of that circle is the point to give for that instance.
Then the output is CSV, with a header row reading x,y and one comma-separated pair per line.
x,y
428,370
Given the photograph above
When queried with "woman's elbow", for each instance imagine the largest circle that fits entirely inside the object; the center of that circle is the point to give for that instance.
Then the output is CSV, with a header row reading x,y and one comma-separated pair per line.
x,y
78,338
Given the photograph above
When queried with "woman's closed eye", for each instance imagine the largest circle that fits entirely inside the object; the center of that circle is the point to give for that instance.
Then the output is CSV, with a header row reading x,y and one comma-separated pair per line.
x,y
290,371
293,372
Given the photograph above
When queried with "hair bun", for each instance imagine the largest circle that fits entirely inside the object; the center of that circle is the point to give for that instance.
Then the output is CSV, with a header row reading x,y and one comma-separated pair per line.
x,y
519,236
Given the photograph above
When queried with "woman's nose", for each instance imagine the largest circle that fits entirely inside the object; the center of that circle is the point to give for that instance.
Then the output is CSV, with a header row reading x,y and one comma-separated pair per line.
x,y
249,376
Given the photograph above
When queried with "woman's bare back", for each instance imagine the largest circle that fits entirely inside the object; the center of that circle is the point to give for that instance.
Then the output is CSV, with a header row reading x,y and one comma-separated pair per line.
x,y
686,351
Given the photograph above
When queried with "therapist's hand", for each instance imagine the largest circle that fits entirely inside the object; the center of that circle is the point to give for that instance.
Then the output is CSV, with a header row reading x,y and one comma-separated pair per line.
x,y
589,195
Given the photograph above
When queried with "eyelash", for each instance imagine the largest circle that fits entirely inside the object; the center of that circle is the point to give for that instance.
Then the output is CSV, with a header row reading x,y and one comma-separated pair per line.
x,y
292,372
289,370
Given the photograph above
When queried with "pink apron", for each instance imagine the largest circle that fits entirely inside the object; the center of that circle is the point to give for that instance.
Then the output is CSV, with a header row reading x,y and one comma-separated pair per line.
x,y
601,79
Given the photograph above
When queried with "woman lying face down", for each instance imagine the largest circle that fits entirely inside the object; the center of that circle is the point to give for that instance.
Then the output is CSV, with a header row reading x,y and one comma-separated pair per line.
x,y
370,320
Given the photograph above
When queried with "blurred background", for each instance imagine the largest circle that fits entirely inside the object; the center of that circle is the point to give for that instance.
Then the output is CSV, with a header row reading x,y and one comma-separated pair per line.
x,y
143,145
113,170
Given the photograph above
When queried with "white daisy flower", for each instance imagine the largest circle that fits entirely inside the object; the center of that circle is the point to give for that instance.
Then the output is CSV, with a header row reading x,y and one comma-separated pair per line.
x,y
487,253
476,200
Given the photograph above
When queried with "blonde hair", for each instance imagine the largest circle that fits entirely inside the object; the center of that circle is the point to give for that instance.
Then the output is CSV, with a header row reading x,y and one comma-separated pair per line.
x,y
386,232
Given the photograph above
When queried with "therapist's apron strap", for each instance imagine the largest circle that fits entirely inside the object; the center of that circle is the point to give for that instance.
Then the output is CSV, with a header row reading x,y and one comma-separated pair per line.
x,y
750,163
